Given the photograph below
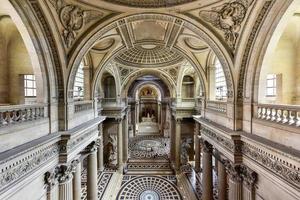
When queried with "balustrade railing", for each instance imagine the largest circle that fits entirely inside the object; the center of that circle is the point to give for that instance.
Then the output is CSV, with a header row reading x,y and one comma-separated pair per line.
x,y
284,114
219,106
13,114
83,105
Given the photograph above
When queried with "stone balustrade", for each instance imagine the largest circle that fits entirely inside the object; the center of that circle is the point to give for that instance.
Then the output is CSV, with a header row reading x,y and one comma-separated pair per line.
x,y
83,105
113,102
219,106
283,114
13,114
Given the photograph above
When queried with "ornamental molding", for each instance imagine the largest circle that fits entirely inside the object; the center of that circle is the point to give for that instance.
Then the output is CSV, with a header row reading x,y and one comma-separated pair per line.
x,y
27,163
219,139
263,13
73,18
228,18
279,167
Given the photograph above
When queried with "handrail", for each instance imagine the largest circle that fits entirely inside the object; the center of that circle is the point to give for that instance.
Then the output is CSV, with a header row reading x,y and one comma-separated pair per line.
x,y
83,105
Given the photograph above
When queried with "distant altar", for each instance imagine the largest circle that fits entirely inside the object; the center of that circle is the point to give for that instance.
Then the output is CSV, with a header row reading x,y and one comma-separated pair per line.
x,y
148,118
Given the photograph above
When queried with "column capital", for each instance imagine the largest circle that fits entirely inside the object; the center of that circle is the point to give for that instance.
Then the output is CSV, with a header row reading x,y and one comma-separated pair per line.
x,y
249,176
233,170
178,120
65,173
51,179
207,147
93,146
118,119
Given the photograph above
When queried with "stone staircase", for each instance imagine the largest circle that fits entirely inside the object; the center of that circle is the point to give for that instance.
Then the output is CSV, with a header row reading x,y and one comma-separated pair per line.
x,y
148,167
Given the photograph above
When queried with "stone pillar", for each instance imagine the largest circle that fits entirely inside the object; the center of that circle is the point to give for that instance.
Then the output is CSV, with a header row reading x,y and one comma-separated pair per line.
x,y
92,188
120,144
65,177
178,144
125,143
234,181
86,79
207,180
222,181
197,147
77,181
100,148
249,180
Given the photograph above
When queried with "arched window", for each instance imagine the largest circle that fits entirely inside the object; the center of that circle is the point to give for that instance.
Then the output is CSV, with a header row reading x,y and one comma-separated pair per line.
x,y
188,87
220,82
79,83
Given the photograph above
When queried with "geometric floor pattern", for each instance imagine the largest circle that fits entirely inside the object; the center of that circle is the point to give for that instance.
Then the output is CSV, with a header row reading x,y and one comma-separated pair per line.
x,y
148,188
103,181
149,147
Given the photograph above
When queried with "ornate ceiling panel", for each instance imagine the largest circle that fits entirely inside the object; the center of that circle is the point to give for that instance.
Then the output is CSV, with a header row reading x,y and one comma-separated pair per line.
x,y
149,3
146,56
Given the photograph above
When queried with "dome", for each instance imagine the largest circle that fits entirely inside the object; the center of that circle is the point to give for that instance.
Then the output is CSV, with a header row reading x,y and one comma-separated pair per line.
x,y
148,56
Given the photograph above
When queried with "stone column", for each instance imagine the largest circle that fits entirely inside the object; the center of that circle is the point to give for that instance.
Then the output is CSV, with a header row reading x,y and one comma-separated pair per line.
x,y
178,143
249,180
92,188
65,182
100,148
234,181
120,144
77,181
125,143
222,181
86,79
197,147
207,180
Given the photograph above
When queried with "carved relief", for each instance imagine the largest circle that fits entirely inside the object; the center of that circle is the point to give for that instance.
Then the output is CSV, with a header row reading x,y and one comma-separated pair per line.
x,y
228,18
185,146
112,159
73,18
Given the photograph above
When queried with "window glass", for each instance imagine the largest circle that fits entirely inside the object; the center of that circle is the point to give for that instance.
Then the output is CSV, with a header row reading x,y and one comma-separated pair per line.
x,y
220,81
271,85
29,86
79,84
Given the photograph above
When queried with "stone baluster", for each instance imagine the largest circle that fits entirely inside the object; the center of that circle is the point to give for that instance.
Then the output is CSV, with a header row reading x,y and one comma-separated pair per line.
x,y
2,119
279,115
292,115
8,118
234,182
207,180
92,188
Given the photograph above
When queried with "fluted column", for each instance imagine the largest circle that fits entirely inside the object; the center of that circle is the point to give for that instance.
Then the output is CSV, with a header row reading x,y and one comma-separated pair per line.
x,y
77,180
178,143
222,181
207,180
249,180
234,182
100,148
120,144
92,188
197,147
65,182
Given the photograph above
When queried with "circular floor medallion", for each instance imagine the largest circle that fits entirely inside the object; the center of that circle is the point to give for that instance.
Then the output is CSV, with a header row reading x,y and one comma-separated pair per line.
x,y
149,188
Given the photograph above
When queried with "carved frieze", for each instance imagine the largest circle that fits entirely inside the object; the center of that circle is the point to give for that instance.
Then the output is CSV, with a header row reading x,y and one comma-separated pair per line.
x,y
73,18
228,18
288,173
27,164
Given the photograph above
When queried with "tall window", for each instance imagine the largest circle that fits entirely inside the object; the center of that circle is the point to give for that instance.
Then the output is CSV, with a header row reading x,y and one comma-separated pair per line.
x,y
271,85
29,85
220,86
79,84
